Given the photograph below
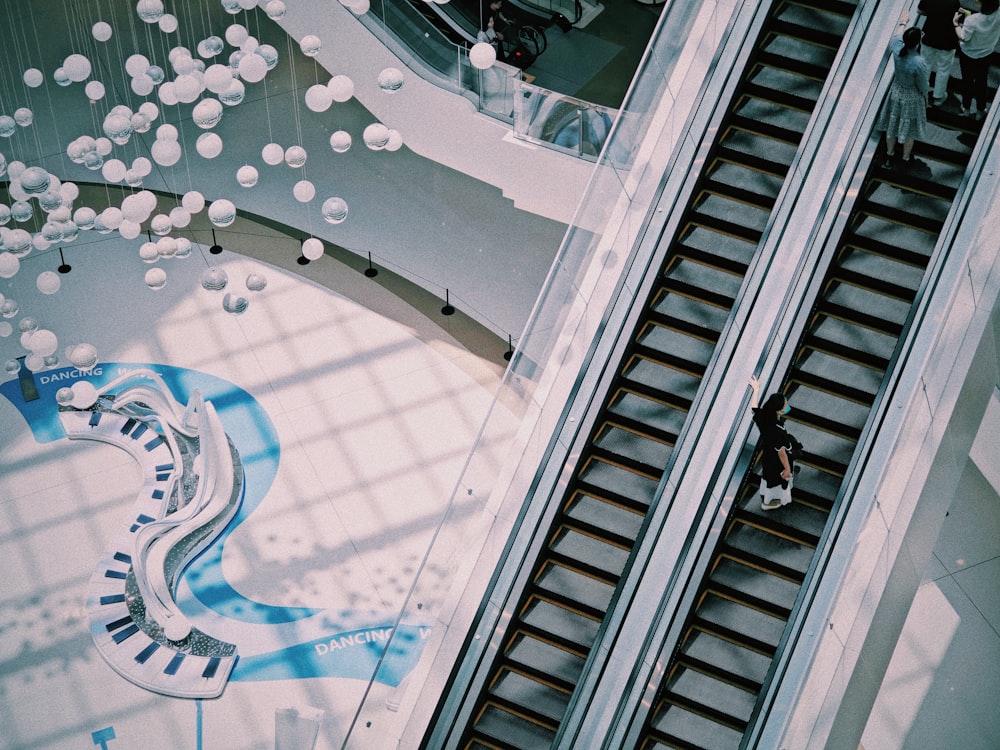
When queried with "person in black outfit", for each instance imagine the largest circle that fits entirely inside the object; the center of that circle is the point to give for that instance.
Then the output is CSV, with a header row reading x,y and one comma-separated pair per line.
x,y
492,25
939,44
777,449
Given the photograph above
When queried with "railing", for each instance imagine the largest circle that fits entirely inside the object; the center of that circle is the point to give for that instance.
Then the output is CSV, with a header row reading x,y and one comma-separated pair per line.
x,y
566,123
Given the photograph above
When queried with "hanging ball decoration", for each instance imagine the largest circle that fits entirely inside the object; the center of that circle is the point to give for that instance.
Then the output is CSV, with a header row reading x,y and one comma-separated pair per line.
x,y
295,156
8,308
77,67
94,90
218,78
150,110
166,247
334,210
168,94
64,396
247,4
318,98
252,68
376,136
250,45
61,77
236,34
148,252
51,232
84,217
156,74
188,88
207,113
142,166
129,230
341,88
256,282
247,176
272,154
357,7
166,153
48,282
35,180
7,126
168,23
83,356
156,278
18,242
395,141
103,145
142,85
304,191
214,279
43,342
310,45
340,141
12,366
112,217
390,80
4,215
26,325
21,211
84,394
140,123
114,170
166,132
222,212
236,306
118,128
312,248
210,47
232,7
270,55
136,65
234,94
160,225
180,217
275,9
101,31
34,362
38,242
193,201
33,78
183,247
482,55
23,116
149,11
209,145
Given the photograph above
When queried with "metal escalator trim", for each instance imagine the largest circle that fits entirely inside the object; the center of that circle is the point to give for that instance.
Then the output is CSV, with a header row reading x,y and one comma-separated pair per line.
x,y
872,284
848,315
692,292
749,161
605,456
901,217
673,323
884,250
772,526
744,599
776,96
718,673
731,636
762,564
637,428
670,361
846,353
791,65
833,387
713,714
711,260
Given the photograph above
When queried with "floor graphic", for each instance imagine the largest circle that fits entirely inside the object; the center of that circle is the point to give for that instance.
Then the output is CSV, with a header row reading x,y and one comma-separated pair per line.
x,y
274,642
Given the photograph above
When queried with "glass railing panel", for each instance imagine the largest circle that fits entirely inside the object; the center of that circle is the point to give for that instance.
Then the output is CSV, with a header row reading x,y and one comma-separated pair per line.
x,y
564,123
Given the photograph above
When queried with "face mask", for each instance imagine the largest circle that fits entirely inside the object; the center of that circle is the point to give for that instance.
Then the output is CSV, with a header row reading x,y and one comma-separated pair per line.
x,y
788,408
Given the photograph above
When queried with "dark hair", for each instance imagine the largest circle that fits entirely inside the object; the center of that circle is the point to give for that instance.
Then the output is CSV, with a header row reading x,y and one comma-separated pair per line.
x,y
988,6
911,40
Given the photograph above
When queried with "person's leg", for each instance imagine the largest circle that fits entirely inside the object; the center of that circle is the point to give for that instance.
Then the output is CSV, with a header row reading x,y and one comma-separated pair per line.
x,y
981,70
907,150
945,59
967,66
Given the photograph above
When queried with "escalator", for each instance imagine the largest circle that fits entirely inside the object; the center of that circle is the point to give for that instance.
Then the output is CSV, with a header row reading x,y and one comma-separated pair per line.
x,y
721,662
560,612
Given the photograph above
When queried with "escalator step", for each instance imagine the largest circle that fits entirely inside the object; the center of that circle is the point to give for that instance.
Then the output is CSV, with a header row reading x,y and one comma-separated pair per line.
x,y
874,322
793,65
830,426
893,215
837,7
835,387
739,595
679,325
622,521
602,560
720,301
847,353
532,698
549,658
878,285
709,712
711,260
638,503
563,580
886,250
504,727
737,230
739,638
559,622
806,34
748,161
717,672
742,667
664,359
596,454
781,98
688,730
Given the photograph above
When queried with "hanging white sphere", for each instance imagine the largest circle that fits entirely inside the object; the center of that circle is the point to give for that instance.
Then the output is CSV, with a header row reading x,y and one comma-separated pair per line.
x,y
183,247
248,4
118,128
83,356
38,242
17,242
140,123
341,88
101,31
214,279
193,201
234,94
112,217
43,342
103,145
247,176
250,45
232,7
27,326
48,282
156,278
149,11
340,141
136,65
156,74
148,252
304,191
168,23
134,209
357,7
390,80
9,265
160,225
114,170
61,77
69,191
270,55
77,67
252,68
256,282
50,232
150,110
7,126
35,180
376,136
84,394
310,45
218,78
272,154
142,85
94,90
209,145
21,211
166,153
236,34
318,98
166,132
129,230
334,210
84,217
34,362
275,9
4,215
166,247
168,93
312,249
188,88
33,78
210,47
395,141
295,156
180,217
207,113
8,308
222,212
482,55
51,199
183,63
12,366
23,116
